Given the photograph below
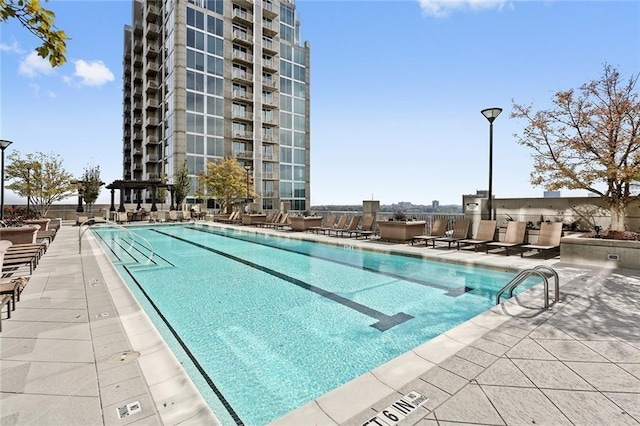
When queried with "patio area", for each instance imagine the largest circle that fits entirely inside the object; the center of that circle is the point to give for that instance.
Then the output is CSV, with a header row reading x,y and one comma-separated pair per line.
x,y
79,350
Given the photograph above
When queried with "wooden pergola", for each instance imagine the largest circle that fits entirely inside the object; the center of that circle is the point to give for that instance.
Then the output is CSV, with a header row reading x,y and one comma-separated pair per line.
x,y
138,185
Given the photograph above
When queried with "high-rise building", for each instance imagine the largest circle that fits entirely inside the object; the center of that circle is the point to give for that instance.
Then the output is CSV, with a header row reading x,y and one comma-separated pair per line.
x,y
207,79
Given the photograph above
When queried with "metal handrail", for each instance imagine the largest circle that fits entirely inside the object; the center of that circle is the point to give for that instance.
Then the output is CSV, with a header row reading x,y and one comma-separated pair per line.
x,y
118,226
523,275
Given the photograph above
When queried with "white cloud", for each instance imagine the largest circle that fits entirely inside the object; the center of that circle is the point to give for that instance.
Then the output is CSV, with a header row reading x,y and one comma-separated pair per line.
x,y
11,48
37,90
441,8
34,65
93,73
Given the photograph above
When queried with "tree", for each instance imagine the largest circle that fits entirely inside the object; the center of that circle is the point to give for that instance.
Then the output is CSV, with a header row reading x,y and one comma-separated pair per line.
x,y
161,192
181,184
589,139
39,176
92,183
40,22
225,181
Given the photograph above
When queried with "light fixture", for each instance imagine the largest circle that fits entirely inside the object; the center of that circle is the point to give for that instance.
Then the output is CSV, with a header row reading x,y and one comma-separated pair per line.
x,y
491,114
3,145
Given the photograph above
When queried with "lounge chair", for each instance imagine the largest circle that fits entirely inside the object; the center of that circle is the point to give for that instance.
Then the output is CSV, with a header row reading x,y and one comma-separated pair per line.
x,y
339,225
282,223
548,239
438,230
366,230
327,224
460,232
353,225
485,234
514,237
234,217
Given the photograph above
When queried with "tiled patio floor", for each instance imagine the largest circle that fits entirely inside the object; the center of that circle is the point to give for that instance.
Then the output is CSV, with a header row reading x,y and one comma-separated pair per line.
x,y
69,354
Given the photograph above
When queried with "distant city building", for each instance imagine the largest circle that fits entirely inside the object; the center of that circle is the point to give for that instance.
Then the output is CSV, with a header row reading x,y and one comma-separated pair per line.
x,y
435,204
207,79
404,204
551,194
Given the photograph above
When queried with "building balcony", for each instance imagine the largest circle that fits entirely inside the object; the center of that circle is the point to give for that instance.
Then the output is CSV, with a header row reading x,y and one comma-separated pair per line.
x,y
269,139
152,51
241,115
137,167
243,57
269,103
269,64
153,30
137,46
270,121
151,104
269,28
270,194
137,136
271,83
270,10
269,157
137,59
152,68
137,106
243,154
152,139
242,16
270,47
152,10
136,152
151,121
244,3
243,135
137,76
151,158
137,28
242,95
152,176
137,93
242,37
151,86
269,176
238,75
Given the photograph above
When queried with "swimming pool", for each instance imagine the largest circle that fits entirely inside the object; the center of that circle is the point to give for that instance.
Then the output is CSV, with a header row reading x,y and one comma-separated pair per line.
x,y
265,324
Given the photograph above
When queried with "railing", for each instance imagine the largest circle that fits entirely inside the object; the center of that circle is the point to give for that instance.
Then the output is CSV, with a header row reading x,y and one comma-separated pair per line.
x,y
522,276
93,222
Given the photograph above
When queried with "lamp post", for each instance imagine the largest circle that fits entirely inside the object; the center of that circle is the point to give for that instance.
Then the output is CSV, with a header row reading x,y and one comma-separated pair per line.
x,y
247,168
3,145
29,167
491,114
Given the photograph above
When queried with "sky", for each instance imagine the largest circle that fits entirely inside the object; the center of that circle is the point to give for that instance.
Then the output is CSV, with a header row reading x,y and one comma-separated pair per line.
x,y
396,89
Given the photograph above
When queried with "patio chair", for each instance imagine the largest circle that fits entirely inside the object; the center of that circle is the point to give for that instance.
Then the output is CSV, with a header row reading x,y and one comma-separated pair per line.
x,y
548,239
485,234
438,230
366,230
339,225
353,225
233,217
460,232
282,223
514,237
328,223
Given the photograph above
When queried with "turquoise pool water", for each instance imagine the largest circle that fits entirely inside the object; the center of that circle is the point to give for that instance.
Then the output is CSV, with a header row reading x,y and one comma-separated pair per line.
x,y
264,324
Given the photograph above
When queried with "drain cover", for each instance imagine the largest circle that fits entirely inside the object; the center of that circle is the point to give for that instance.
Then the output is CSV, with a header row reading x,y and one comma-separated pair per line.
x,y
124,357
127,410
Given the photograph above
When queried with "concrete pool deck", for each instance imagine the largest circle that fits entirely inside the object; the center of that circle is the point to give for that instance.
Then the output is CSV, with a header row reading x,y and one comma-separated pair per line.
x,y
79,350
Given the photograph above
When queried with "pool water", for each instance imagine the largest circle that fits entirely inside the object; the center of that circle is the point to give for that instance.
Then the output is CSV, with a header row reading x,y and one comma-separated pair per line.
x,y
268,323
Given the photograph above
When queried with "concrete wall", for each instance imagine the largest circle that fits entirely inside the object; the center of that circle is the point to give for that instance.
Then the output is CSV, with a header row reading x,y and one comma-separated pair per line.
x,y
600,252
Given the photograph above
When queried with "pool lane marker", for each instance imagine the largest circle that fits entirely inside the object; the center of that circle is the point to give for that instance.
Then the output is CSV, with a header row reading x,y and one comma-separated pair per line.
x,y
397,411
385,322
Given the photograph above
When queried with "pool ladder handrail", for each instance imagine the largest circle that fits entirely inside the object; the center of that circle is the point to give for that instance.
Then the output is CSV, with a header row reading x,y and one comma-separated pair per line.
x,y
116,225
523,275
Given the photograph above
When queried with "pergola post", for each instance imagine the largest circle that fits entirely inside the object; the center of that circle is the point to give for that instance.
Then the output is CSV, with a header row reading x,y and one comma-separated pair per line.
x,y
113,198
154,208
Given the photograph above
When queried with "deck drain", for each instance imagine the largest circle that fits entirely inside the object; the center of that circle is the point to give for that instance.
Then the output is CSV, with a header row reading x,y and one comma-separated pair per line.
x,y
129,409
102,315
124,357
94,282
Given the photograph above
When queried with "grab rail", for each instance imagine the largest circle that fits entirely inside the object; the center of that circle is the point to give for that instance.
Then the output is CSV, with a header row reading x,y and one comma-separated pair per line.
x,y
118,226
523,275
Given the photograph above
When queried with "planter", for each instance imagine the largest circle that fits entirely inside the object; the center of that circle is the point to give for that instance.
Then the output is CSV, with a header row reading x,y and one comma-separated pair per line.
x,y
600,252
301,224
400,232
252,219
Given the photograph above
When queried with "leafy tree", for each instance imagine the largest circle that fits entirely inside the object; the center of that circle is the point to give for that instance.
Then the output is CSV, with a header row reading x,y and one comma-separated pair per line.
x,y
181,184
40,22
161,193
39,176
92,183
225,181
589,139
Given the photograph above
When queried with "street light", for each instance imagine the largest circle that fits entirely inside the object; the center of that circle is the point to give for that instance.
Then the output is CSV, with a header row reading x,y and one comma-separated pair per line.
x,y
247,168
491,114
29,167
3,145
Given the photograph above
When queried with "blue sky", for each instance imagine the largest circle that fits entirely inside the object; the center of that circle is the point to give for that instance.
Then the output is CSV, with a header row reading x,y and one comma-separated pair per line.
x,y
396,89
